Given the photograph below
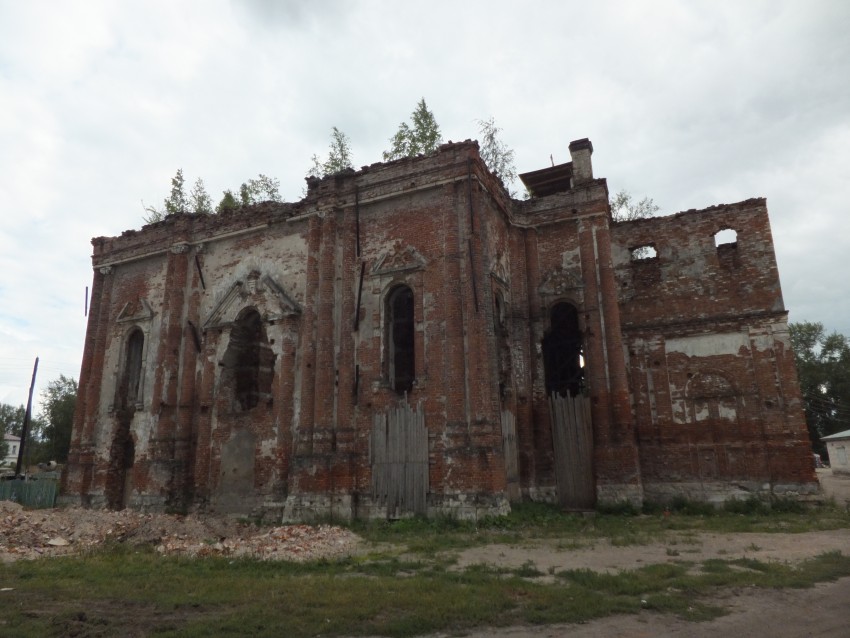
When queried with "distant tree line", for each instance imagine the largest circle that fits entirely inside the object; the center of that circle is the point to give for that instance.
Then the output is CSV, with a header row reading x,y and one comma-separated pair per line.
x,y
49,437
823,367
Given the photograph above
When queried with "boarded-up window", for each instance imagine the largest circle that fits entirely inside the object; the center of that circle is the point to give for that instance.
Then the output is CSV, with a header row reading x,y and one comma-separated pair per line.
x,y
400,330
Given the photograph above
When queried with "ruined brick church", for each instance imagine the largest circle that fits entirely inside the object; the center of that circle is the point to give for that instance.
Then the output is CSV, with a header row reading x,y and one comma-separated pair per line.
x,y
410,339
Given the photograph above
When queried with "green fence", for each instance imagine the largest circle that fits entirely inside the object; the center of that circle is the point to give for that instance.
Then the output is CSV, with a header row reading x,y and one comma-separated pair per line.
x,y
38,494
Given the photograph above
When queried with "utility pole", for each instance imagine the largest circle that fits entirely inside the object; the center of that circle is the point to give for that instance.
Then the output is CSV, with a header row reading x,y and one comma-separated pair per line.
x,y
26,426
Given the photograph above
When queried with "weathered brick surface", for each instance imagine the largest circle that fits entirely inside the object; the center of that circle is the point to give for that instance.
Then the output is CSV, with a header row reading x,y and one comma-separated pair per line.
x,y
715,392
690,378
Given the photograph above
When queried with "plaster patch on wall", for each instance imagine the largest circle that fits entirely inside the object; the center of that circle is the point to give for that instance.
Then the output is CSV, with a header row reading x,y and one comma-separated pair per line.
x,y
680,413
142,429
727,411
709,345
571,259
781,334
762,342
701,412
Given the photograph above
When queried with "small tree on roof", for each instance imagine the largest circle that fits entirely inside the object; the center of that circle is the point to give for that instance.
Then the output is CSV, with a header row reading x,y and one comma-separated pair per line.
x,y
495,153
422,136
625,209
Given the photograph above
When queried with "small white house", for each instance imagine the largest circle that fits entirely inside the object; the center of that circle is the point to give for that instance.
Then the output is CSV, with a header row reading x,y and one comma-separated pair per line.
x,y
13,444
838,449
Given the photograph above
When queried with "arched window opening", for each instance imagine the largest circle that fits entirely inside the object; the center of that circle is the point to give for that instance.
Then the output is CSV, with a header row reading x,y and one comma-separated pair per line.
x,y
400,342
725,237
563,355
130,386
726,242
643,253
249,360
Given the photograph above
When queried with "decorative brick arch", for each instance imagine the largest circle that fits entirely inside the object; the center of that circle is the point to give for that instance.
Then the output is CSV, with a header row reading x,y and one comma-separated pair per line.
x,y
711,396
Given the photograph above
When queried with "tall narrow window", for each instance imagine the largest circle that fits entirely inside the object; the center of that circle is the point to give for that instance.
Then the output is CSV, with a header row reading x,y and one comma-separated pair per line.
x,y
128,391
563,360
400,329
249,361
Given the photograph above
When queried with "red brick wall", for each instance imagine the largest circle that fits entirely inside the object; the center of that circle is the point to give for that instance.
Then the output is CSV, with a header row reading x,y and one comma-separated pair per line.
x,y
444,226
714,389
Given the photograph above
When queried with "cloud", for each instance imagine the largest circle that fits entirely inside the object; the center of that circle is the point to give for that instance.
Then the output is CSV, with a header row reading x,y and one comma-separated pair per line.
x,y
691,104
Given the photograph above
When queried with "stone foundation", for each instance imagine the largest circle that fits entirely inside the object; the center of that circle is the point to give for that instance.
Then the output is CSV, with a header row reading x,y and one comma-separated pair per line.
x,y
613,493
313,507
718,492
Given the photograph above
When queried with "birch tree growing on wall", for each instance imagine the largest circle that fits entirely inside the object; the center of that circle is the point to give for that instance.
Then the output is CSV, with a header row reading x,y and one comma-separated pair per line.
x,y
495,153
339,156
420,137
625,209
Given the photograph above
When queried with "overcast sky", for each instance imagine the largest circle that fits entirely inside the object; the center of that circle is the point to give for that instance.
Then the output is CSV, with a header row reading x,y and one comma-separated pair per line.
x,y
690,103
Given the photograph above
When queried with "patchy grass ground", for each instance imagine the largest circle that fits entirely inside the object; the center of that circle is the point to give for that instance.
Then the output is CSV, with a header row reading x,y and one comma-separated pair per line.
x,y
121,593
416,577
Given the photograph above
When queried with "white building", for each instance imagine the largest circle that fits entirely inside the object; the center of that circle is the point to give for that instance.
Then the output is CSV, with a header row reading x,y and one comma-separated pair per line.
x,y
837,447
13,443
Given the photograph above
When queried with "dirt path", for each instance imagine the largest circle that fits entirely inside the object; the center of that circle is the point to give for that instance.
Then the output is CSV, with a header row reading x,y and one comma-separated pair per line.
x,y
820,611
787,613
548,557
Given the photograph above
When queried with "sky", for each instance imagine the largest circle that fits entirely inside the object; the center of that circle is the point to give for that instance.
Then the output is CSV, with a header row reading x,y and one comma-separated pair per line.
x,y
689,103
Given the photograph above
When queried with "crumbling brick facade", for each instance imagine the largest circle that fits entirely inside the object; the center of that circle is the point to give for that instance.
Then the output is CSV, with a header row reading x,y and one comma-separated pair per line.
x,y
400,341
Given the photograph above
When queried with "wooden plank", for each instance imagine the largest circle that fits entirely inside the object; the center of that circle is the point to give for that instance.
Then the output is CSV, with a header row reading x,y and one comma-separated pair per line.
x,y
511,453
572,437
399,460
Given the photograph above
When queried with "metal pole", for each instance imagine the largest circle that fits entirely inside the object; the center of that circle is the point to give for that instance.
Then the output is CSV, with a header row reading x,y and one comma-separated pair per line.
x,y
26,426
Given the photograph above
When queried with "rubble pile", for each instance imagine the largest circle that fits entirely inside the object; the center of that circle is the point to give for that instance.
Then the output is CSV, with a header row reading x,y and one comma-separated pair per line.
x,y
34,533
291,542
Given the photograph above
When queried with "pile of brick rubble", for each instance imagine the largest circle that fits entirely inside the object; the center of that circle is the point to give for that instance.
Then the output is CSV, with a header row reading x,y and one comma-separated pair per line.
x,y
35,533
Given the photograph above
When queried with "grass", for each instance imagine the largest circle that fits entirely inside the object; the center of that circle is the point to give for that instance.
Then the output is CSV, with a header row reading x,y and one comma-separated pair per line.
x,y
410,582
117,590
620,525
